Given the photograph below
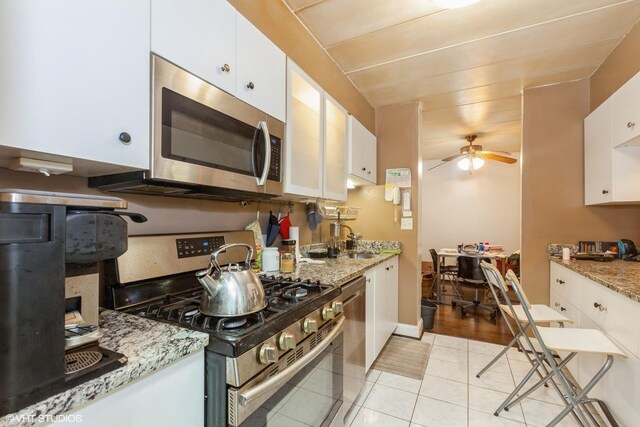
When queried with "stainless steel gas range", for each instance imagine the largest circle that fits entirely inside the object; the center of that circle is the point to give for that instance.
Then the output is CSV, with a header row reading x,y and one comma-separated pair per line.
x,y
278,365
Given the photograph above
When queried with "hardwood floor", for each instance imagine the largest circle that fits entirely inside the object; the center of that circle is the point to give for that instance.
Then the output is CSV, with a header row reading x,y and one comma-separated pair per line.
x,y
449,321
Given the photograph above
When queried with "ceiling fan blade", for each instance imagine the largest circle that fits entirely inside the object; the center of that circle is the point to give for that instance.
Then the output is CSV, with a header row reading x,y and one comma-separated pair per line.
x,y
496,157
436,166
457,156
499,153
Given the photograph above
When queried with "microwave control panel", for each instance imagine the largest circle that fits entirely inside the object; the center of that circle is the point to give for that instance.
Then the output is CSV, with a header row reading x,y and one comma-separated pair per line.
x,y
198,246
276,150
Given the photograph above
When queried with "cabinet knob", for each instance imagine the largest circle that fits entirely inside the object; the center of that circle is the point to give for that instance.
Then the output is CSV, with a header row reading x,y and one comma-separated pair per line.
x,y
250,85
124,138
560,281
599,306
369,172
605,191
387,268
563,309
225,68
364,169
557,304
630,125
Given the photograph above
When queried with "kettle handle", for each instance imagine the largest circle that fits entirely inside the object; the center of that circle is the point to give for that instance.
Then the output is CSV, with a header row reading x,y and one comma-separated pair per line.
x,y
223,248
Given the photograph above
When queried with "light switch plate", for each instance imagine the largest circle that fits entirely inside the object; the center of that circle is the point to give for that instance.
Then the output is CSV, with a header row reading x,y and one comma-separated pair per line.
x,y
406,224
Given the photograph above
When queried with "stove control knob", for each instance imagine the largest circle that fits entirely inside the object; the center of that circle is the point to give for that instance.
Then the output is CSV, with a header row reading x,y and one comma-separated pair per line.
x,y
268,354
337,307
286,341
328,313
310,325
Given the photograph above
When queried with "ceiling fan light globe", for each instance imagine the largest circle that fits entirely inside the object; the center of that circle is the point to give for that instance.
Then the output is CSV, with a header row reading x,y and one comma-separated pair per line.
x,y
464,164
477,162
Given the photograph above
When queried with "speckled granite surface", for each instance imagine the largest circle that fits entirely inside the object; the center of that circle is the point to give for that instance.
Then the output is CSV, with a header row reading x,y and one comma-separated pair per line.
x,y
366,246
148,345
620,276
337,271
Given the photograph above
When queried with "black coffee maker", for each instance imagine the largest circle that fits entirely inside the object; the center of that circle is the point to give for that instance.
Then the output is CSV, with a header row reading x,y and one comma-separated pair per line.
x,y
42,236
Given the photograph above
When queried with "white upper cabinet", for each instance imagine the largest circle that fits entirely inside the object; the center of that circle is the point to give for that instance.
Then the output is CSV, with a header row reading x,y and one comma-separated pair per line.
x,y
612,148
261,77
335,150
199,36
75,79
303,145
362,153
316,140
210,39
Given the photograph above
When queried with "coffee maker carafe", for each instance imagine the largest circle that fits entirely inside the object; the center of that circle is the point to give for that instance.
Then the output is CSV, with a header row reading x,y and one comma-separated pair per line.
x,y
45,237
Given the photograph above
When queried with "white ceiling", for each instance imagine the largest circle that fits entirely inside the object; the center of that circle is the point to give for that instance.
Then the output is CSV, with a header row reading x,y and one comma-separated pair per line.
x,y
467,66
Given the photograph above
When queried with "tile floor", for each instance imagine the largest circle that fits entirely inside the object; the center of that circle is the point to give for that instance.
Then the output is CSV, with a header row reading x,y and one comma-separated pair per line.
x,y
451,395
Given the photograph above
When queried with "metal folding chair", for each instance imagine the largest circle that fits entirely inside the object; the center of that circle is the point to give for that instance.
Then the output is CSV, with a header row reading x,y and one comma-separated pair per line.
x,y
556,340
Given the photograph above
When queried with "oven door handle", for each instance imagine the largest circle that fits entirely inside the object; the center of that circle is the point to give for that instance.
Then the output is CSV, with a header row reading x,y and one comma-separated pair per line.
x,y
282,377
267,153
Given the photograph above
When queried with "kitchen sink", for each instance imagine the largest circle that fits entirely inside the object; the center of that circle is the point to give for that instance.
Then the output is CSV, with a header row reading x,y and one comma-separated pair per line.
x,y
359,256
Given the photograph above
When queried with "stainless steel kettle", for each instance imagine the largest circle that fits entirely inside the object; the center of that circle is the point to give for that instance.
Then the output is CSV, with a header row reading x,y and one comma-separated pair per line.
x,y
232,291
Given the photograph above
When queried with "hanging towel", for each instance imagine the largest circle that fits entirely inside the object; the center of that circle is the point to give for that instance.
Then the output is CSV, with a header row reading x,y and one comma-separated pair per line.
x,y
272,229
284,223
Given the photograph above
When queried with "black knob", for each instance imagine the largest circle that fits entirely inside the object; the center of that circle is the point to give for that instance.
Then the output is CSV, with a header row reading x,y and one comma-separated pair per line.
x,y
596,305
563,309
250,85
364,169
125,138
387,268
561,281
605,191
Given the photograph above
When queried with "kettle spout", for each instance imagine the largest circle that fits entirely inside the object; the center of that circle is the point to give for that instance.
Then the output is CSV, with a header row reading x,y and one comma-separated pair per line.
x,y
209,284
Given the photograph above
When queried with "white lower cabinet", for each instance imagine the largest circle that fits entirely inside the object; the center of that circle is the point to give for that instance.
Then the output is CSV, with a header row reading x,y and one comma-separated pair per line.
x,y
593,306
381,307
151,400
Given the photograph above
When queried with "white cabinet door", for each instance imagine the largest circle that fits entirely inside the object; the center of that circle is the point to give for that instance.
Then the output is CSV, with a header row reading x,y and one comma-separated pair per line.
x,y
303,146
362,153
75,79
199,36
381,309
392,288
335,150
261,70
598,170
625,112
370,349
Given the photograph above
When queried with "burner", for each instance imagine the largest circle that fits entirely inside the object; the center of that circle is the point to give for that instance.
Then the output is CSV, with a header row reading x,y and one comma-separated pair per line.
x,y
294,294
233,323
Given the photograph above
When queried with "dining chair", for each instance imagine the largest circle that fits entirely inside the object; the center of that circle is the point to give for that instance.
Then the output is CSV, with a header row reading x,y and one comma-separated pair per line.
x,y
447,272
551,341
469,272
541,313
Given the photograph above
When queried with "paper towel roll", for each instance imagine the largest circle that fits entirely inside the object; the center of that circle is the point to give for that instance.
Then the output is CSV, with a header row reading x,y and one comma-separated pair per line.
x,y
294,234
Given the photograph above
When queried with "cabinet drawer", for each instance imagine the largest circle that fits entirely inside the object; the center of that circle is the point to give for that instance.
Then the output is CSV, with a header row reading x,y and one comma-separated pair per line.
x,y
566,283
562,306
616,314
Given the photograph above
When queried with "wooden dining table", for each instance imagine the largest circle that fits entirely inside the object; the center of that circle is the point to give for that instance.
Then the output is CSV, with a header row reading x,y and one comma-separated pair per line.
x,y
443,254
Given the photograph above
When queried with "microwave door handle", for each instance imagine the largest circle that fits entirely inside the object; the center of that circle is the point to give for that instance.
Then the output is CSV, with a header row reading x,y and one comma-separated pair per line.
x,y
267,153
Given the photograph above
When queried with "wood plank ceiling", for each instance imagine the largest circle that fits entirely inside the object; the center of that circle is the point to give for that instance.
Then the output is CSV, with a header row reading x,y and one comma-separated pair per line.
x,y
467,66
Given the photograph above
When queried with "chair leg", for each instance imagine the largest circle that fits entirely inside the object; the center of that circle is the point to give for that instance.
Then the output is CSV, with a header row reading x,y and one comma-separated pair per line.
x,y
502,353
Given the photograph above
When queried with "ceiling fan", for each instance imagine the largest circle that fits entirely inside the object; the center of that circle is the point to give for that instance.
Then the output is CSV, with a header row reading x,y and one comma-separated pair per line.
x,y
472,156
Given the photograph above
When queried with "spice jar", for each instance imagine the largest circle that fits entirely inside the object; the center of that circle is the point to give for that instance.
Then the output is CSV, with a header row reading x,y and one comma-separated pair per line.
x,y
288,256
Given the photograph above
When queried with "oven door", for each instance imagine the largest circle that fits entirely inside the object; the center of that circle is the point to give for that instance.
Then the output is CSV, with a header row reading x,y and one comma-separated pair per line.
x,y
305,388
204,136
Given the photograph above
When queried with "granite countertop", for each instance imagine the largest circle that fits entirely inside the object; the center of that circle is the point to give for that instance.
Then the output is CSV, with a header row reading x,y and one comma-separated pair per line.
x,y
149,345
620,276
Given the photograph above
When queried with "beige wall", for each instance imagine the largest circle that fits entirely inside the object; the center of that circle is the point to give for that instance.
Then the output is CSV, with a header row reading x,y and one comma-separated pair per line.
x,y
553,208
398,130
621,64
277,22
167,214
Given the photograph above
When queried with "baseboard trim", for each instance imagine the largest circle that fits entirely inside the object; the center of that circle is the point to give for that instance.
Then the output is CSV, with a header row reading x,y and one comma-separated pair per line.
x,y
413,331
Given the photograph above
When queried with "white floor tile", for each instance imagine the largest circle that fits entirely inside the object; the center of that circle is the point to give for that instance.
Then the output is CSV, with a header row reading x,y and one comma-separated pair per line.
x,y
446,390
539,414
480,419
364,393
280,420
398,381
391,401
487,401
373,375
428,337
478,361
351,415
448,354
493,381
370,418
546,394
450,370
484,348
514,354
435,413
519,368
452,342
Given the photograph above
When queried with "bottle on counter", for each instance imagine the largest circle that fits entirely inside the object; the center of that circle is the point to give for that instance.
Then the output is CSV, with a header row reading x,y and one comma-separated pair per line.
x,y
480,247
288,256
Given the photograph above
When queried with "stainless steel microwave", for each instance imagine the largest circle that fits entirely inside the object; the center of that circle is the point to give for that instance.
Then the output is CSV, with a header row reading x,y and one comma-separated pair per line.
x,y
205,143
